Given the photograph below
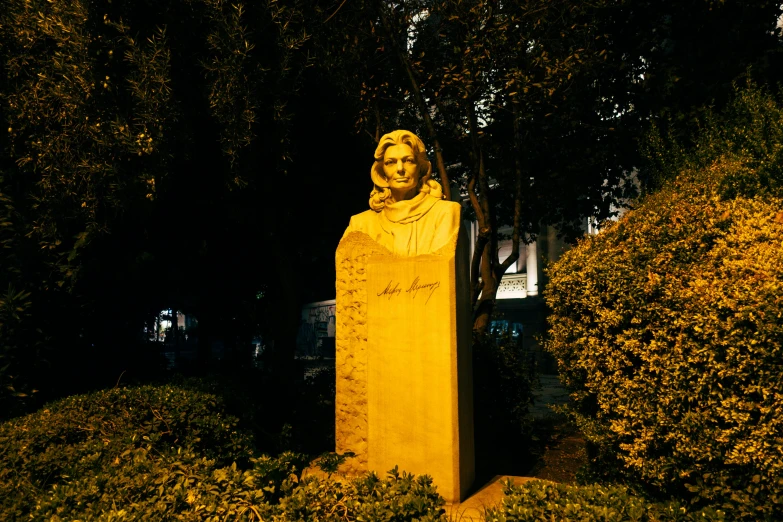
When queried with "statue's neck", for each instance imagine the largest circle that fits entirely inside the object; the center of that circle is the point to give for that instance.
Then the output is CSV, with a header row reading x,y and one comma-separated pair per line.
x,y
397,196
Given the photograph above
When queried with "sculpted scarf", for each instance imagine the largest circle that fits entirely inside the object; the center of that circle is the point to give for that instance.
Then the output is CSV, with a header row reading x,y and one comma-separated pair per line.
x,y
401,219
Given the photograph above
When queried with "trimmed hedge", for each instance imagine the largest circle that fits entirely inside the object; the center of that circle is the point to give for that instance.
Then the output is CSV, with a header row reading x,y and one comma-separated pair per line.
x,y
189,487
85,435
539,501
667,328
158,453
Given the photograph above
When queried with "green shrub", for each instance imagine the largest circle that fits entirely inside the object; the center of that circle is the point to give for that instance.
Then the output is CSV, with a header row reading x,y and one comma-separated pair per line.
x,y
667,328
543,501
145,486
397,498
503,379
169,453
749,129
86,435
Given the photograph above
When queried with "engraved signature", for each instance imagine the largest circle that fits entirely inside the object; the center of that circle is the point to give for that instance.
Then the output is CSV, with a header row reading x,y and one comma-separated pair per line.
x,y
416,286
393,289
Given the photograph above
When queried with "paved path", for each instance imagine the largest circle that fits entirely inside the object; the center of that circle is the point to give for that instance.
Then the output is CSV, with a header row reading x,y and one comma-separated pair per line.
x,y
490,495
551,392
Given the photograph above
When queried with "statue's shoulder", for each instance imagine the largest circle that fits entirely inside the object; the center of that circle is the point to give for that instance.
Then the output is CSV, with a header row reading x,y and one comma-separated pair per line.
x,y
361,222
449,206
445,208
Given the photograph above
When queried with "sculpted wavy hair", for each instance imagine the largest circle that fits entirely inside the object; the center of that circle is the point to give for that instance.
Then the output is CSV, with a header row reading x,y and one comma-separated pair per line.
x,y
381,192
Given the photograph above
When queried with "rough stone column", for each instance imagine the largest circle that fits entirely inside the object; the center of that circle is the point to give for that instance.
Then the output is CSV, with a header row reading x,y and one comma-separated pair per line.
x,y
351,348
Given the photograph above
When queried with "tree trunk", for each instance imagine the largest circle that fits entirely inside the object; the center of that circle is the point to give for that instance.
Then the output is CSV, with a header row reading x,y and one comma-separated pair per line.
x,y
485,263
489,286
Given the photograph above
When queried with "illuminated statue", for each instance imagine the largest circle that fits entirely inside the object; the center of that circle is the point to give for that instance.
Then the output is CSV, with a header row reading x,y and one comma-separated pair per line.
x,y
403,383
408,214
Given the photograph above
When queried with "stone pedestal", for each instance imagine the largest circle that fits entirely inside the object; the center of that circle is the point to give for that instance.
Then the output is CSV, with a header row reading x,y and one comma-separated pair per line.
x,y
404,374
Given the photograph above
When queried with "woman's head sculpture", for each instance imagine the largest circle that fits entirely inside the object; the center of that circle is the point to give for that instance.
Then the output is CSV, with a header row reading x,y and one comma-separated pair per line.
x,y
381,191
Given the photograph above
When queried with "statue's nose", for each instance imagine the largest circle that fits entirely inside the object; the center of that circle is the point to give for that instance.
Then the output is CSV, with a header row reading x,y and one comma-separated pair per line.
x,y
400,167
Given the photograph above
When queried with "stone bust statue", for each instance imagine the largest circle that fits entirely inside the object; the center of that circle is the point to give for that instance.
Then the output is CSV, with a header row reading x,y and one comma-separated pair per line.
x,y
408,214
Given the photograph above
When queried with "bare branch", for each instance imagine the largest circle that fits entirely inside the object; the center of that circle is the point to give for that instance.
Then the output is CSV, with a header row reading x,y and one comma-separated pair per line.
x,y
336,10
476,284
512,258
475,202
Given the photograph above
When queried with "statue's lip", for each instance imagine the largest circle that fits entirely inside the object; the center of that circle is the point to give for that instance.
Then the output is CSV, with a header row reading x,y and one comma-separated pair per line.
x,y
401,179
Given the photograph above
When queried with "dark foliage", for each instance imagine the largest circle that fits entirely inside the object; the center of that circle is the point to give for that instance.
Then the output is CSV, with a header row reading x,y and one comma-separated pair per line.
x,y
666,325
503,382
539,501
282,413
170,453
154,156
85,435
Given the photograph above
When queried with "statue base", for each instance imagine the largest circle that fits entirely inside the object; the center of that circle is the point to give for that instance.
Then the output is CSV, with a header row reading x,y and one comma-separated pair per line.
x,y
412,396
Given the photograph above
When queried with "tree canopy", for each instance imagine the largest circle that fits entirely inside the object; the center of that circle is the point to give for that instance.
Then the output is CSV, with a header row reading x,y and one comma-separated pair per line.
x,y
536,110
145,145
190,154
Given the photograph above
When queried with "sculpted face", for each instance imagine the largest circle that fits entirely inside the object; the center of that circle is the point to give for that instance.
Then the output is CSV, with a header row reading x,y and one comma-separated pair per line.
x,y
401,170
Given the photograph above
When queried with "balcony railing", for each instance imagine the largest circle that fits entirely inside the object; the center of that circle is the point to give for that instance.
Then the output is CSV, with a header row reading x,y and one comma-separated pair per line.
x,y
513,286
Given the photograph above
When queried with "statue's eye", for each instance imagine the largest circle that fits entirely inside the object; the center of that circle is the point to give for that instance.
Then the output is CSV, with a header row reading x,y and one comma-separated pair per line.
x,y
409,160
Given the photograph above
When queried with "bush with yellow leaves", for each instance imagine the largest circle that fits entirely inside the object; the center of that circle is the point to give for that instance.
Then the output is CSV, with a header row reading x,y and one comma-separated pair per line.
x,y
668,330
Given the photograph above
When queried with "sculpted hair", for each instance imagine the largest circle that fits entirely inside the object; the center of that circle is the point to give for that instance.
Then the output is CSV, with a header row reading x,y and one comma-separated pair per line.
x,y
381,191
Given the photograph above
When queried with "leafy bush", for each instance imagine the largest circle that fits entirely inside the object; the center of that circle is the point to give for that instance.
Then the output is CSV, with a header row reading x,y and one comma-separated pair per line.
x,y
396,498
89,435
168,453
749,130
140,485
185,486
667,328
538,501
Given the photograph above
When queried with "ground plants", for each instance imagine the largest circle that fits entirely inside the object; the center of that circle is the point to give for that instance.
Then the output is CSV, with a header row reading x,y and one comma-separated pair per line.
x,y
667,327
398,497
300,418
95,435
538,501
157,453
